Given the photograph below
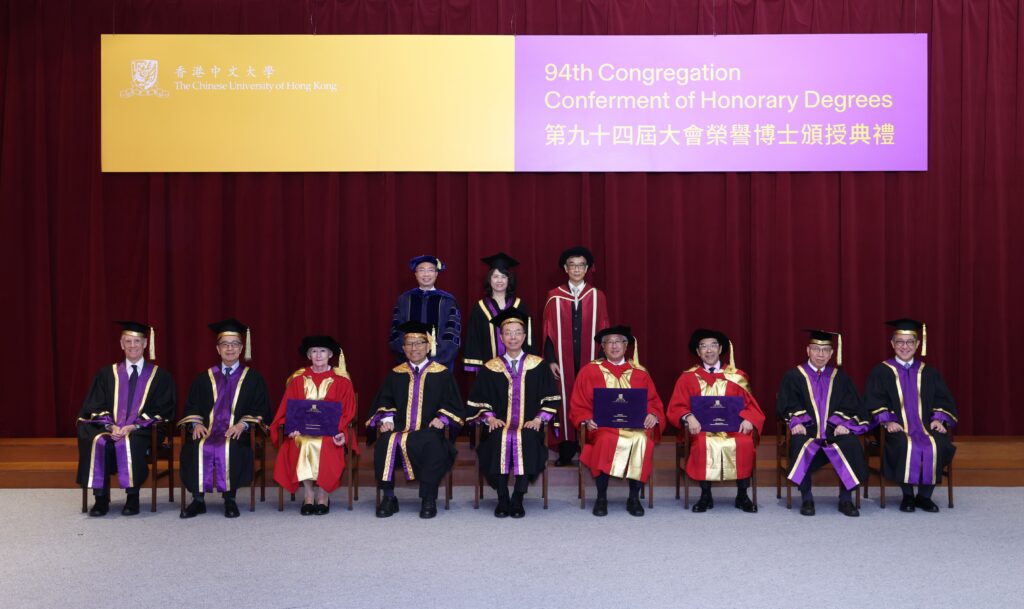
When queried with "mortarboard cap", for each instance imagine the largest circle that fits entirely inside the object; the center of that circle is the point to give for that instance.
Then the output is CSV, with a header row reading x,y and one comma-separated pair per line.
x,y
701,333
322,341
613,330
233,327
918,329
135,328
824,337
418,260
510,314
573,252
501,260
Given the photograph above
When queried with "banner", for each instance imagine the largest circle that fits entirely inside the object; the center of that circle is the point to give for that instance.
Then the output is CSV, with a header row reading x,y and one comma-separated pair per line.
x,y
502,103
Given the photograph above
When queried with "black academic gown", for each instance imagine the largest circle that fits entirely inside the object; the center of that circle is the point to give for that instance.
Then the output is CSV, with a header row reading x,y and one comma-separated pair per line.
x,y
158,404
426,454
252,406
927,451
843,406
482,338
534,392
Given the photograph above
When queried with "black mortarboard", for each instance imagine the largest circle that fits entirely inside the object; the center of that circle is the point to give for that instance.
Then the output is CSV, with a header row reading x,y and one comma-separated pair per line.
x,y
572,252
501,260
824,337
620,330
418,327
233,327
135,328
414,262
918,329
509,314
322,341
701,333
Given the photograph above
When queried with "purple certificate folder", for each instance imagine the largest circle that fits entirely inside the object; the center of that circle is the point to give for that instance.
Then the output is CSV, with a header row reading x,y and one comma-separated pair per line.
x,y
312,417
620,407
717,413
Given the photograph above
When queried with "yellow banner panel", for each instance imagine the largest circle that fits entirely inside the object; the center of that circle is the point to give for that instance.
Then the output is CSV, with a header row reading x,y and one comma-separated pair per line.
x,y
307,103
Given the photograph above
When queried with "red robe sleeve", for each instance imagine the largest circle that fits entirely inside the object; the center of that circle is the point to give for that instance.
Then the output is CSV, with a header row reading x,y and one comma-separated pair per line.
x,y
292,391
581,407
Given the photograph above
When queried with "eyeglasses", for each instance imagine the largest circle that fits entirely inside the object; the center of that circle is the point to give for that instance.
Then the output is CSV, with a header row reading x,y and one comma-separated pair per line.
x,y
414,345
513,333
821,349
614,341
909,342
708,346
230,345
577,267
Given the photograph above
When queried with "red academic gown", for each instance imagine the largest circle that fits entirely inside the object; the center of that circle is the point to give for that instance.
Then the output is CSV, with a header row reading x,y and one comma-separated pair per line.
x,y
329,387
599,451
731,382
558,329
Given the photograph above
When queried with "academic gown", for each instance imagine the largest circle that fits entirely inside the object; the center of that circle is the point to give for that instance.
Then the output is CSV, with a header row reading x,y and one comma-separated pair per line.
x,y
436,308
328,386
913,398
414,400
623,453
215,463
737,450
569,329
516,399
107,404
821,403
483,339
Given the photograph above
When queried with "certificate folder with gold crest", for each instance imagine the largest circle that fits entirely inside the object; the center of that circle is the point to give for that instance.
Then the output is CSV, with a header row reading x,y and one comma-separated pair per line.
x,y
717,413
624,408
312,417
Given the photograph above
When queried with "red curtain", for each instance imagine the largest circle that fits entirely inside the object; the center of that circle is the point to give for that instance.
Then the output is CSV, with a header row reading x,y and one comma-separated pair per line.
x,y
756,255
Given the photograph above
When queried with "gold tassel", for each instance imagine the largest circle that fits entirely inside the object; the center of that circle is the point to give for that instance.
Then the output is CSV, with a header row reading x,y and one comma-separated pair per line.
x,y
152,343
248,345
636,352
924,340
342,369
732,356
433,341
529,331
839,351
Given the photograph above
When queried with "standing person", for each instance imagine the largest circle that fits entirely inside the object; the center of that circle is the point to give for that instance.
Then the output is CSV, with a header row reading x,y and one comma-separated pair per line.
x,y
573,313
717,456
428,305
225,401
115,422
514,396
483,339
416,402
622,453
315,460
911,402
824,414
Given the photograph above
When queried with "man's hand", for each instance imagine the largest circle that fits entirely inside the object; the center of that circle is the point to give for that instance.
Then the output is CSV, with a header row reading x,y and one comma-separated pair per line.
x,y
436,423
339,439
938,426
650,421
199,431
893,427
746,427
533,424
387,426
590,424
841,430
494,423
294,434
119,433
798,430
693,425
556,371
235,431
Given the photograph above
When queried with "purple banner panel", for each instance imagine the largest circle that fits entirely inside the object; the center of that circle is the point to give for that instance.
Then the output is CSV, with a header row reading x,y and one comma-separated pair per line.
x,y
815,102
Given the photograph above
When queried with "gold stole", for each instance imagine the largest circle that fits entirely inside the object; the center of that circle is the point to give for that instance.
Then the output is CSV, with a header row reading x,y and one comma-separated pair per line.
x,y
719,447
631,446
308,466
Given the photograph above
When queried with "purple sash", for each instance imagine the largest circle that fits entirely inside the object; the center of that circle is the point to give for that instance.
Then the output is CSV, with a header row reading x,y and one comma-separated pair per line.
x,y
124,414
214,447
395,449
919,443
511,431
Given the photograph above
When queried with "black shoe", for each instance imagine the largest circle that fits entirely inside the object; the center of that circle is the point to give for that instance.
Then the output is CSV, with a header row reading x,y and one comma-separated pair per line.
x,y
101,507
428,508
907,505
744,503
388,506
601,507
926,504
634,507
563,462
566,451
307,509
705,503
503,508
131,505
848,509
194,509
323,508
807,508
230,509
517,510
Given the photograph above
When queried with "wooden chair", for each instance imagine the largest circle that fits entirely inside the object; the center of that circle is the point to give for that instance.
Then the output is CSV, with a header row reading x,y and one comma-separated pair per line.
x,y
683,452
478,494
648,487
874,449
258,438
782,439
160,448
351,472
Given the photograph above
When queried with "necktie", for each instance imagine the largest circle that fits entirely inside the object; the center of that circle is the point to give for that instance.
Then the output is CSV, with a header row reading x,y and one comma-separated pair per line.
x,y
514,362
711,370
227,372
133,381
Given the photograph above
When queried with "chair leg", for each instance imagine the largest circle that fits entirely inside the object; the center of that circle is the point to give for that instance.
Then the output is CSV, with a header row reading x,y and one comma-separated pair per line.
x,y
544,486
448,490
753,483
252,493
182,501
789,495
351,480
280,498
153,475
582,487
949,484
650,494
686,489
170,475
858,497
355,472
881,489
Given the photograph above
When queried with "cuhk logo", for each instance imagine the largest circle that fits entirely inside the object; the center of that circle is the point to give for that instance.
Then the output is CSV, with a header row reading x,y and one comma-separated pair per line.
x,y
144,73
